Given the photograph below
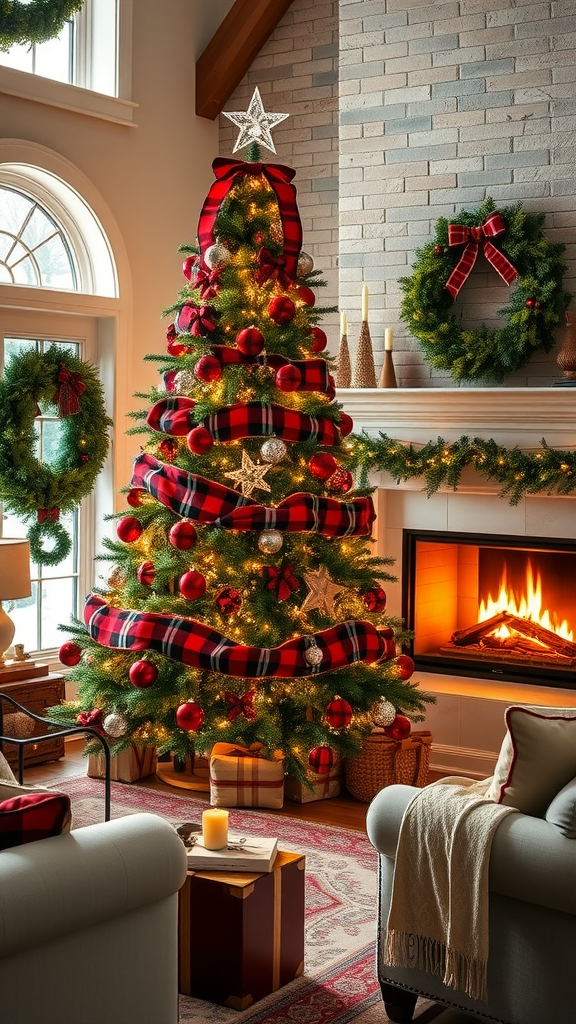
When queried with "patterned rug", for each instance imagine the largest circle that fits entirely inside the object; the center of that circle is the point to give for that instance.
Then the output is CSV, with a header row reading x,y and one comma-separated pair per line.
x,y
339,983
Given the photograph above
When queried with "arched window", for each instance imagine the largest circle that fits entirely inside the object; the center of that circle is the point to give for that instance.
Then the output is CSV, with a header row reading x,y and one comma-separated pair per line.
x,y
33,247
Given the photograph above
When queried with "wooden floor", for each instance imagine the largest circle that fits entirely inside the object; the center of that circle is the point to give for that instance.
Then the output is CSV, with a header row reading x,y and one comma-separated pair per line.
x,y
343,811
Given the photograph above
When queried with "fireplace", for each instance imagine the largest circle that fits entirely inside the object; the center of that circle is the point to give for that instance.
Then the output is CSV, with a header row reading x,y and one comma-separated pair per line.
x,y
491,606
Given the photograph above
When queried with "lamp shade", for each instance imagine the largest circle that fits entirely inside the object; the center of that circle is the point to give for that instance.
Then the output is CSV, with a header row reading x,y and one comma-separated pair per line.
x,y
14,569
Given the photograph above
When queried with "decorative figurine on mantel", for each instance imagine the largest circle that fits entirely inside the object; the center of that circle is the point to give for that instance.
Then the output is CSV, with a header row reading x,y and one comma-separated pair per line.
x,y
388,374
344,371
567,355
364,374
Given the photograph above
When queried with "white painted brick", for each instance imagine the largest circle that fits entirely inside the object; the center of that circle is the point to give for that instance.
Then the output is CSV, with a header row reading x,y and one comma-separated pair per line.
x,y
485,36
432,75
493,148
459,118
456,166
415,95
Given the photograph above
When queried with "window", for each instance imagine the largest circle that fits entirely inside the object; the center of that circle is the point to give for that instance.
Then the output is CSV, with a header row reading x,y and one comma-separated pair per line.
x,y
33,247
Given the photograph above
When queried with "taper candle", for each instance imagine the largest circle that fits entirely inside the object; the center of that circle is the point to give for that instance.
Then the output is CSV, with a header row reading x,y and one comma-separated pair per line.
x,y
388,339
215,828
343,324
364,303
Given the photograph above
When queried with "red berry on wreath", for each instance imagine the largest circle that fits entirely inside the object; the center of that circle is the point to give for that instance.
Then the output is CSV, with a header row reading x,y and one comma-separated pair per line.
x,y
405,666
537,304
199,441
129,529
208,369
192,585
189,716
375,599
146,574
341,481
182,535
228,601
320,339
143,674
346,424
306,295
250,341
438,250
322,466
70,654
530,303
399,729
134,496
288,378
338,713
281,309
168,448
321,759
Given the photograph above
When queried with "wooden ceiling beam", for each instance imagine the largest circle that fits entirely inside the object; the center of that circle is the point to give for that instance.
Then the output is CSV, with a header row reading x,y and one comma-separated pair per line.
x,y
231,51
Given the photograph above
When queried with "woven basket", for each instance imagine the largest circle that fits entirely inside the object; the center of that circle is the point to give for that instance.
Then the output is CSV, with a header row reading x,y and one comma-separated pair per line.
x,y
384,761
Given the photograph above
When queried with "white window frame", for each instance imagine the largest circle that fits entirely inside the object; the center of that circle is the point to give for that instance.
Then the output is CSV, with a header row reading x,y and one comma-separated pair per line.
x,y
119,109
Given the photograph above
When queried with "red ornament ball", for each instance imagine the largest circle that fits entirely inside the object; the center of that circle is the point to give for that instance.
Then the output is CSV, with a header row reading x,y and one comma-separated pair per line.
x,y
174,348
338,713
146,574
143,674
208,369
182,535
189,716
192,585
320,339
188,266
84,458
375,599
168,448
341,481
281,309
322,466
321,759
346,424
134,496
399,729
70,654
250,341
306,295
288,378
405,666
199,441
228,601
129,529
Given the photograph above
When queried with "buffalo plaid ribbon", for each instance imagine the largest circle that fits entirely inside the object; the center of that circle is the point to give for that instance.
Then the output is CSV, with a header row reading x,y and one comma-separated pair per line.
x,y
314,372
227,173
199,646
252,419
459,234
69,388
208,502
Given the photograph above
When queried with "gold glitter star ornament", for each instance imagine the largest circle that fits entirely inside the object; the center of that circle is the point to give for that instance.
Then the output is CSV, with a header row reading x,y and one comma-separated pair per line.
x,y
251,476
254,124
323,590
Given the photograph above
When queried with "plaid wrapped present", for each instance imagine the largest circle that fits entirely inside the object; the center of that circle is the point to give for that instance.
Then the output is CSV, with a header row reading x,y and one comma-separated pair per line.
x,y
135,762
323,786
240,777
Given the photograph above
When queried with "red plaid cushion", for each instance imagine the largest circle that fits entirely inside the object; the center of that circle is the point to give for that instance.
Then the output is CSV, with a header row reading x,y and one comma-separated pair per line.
x,y
32,816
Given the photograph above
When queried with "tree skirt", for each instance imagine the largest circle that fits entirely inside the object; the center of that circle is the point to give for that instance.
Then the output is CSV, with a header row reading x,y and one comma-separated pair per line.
x,y
339,983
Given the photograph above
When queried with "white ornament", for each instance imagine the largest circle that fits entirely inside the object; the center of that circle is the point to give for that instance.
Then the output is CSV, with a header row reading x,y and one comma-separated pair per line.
x,y
273,450
383,713
305,265
270,541
216,256
115,724
313,655
254,124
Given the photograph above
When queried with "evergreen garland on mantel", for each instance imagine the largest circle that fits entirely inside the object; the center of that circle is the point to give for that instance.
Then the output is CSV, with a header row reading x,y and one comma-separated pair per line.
x,y
520,473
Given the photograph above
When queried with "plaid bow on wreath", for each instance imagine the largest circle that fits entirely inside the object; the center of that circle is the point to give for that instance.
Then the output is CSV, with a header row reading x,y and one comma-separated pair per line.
x,y
460,234
70,387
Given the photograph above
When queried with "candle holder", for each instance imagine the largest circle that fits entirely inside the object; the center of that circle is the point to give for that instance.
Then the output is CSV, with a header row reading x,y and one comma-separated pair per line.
x,y
364,374
388,374
567,355
344,372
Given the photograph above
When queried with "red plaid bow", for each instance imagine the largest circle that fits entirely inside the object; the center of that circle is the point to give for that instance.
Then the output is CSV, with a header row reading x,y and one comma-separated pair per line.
x,y
282,581
195,320
459,234
70,387
207,283
92,718
270,266
241,705
228,172
50,514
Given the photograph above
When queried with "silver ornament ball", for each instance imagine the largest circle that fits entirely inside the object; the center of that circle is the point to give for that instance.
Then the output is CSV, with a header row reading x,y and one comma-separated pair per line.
x,y
383,713
185,382
273,450
305,265
115,724
270,541
216,256
313,655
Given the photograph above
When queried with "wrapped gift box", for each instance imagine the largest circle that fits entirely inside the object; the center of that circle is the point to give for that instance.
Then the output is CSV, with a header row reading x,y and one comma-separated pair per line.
x,y
136,762
323,786
241,778
241,935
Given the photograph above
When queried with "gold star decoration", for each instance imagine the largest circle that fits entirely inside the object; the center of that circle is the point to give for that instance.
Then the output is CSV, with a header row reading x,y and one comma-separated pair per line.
x,y
323,590
254,124
251,476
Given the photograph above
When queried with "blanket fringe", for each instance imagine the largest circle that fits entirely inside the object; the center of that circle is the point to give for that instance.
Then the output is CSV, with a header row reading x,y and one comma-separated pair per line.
x,y
467,973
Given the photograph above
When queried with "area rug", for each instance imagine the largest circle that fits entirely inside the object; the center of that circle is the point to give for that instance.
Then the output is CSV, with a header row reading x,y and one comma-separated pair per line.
x,y
339,983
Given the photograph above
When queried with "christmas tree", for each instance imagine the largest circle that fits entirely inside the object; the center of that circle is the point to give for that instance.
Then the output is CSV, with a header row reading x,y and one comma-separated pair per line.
x,y
244,602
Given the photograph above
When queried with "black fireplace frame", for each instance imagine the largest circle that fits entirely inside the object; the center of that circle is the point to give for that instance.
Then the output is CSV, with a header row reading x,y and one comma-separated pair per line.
x,y
468,667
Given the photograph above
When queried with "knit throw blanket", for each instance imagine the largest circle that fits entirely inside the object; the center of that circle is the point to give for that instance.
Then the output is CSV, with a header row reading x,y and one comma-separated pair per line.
x,y
438,919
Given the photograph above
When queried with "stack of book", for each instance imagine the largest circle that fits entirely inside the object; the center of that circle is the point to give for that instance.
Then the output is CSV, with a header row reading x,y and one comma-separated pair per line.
x,y
243,853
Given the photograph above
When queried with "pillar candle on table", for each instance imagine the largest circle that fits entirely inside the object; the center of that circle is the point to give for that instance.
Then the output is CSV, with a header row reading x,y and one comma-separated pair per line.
x,y
215,828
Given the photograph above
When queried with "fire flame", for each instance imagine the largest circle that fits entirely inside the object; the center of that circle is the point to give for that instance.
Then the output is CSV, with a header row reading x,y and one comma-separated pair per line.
x,y
528,606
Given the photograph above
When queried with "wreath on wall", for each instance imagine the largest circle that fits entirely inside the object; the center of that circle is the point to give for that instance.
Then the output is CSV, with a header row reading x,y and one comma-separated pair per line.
x,y
522,254
34,22
55,383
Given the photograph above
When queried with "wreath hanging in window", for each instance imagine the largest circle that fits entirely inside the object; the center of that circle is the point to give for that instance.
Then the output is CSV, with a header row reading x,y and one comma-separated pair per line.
x,y
57,383
34,22
514,244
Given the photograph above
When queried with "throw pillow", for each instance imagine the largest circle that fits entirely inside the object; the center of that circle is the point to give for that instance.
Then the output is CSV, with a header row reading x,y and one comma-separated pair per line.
x,y
537,758
31,816
562,810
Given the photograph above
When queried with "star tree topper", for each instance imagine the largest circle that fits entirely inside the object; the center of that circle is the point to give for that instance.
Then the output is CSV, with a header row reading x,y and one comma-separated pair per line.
x,y
323,590
254,124
251,476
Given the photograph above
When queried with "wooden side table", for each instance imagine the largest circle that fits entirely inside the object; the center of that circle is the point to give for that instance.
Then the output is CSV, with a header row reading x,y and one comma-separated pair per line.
x,y
36,694
241,935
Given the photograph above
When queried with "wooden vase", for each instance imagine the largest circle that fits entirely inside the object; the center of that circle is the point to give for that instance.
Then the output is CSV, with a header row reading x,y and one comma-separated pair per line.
x,y
567,355
388,374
